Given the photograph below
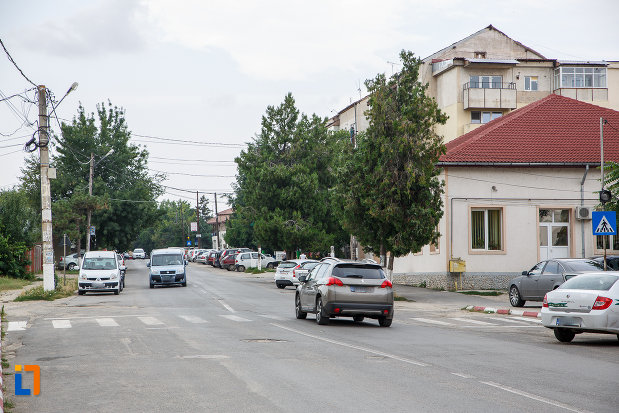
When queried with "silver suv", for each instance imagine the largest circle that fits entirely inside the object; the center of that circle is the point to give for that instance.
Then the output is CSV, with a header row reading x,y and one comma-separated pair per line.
x,y
337,288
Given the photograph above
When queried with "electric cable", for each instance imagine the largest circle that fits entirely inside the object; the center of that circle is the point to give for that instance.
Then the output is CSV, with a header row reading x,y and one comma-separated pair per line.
x,y
15,64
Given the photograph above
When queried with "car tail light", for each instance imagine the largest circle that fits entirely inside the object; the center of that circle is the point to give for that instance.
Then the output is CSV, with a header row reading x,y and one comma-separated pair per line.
x,y
334,281
602,303
61,259
386,284
545,302
337,310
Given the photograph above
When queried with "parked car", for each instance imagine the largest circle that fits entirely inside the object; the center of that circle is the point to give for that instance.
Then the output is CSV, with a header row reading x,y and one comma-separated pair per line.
x,y
228,251
285,273
70,261
139,253
588,303
212,257
201,257
246,260
545,276
338,288
100,272
612,262
168,267
229,262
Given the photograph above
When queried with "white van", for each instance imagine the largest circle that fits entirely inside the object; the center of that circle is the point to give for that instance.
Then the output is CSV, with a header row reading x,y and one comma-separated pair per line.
x,y
168,267
100,271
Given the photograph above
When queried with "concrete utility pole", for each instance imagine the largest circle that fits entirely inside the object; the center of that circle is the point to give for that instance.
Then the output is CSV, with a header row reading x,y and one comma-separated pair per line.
x,y
216,220
89,213
198,221
46,194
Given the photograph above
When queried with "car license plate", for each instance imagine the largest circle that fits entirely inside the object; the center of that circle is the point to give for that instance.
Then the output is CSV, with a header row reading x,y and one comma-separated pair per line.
x,y
358,289
97,285
568,321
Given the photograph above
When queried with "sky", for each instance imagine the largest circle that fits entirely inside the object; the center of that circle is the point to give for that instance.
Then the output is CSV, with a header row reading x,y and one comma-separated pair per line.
x,y
205,71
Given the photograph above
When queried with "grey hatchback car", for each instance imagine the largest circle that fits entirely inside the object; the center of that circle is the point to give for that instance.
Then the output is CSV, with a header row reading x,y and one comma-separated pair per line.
x,y
546,276
338,288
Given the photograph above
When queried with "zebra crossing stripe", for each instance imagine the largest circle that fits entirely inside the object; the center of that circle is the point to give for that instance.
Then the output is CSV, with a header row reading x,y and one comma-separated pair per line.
x,y
17,325
192,319
61,323
150,321
468,320
234,317
430,321
529,319
107,322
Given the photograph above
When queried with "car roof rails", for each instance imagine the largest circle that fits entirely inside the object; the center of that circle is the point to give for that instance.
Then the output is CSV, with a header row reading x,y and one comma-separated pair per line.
x,y
330,258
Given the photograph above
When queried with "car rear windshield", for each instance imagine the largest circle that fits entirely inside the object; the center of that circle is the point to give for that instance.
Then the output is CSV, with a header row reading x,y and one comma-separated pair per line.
x,y
99,264
368,271
287,264
584,265
138,250
167,259
590,282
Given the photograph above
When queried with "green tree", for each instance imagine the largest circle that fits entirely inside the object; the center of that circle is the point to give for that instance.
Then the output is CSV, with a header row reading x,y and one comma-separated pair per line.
x,y
283,184
124,193
19,228
390,194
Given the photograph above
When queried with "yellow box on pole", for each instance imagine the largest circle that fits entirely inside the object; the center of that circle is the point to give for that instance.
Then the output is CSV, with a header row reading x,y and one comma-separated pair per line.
x,y
457,265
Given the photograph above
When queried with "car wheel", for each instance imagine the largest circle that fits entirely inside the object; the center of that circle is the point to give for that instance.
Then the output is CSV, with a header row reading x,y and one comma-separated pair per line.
x,y
82,292
270,266
301,315
358,318
514,297
117,291
240,268
152,285
320,317
279,285
71,266
184,284
384,321
564,335
229,267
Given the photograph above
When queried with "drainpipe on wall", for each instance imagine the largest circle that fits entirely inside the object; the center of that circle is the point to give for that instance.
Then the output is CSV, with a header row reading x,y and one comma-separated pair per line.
x,y
582,203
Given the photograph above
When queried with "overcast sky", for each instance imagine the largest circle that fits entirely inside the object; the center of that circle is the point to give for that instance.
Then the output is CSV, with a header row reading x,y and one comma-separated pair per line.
x,y
206,71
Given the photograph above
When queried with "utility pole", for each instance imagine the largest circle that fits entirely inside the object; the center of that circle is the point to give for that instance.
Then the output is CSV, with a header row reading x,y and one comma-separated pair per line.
x,y
89,213
46,194
217,221
198,221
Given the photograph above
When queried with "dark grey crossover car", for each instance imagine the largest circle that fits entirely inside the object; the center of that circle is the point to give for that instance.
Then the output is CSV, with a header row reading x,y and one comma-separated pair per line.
x,y
337,288
545,276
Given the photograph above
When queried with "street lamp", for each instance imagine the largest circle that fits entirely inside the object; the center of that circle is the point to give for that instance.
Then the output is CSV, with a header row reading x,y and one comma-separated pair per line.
x,y
92,171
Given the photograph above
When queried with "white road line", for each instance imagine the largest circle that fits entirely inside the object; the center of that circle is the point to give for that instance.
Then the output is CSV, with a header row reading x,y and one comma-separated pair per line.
x,y
430,321
150,321
464,376
226,306
94,316
509,320
107,322
367,350
234,317
272,317
192,319
535,397
17,325
529,319
503,326
61,323
469,320
206,356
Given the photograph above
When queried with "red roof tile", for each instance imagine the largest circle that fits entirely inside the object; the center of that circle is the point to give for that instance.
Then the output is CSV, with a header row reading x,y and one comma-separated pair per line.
x,y
553,130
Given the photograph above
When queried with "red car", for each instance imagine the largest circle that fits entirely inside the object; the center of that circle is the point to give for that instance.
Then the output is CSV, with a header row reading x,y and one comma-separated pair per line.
x,y
229,262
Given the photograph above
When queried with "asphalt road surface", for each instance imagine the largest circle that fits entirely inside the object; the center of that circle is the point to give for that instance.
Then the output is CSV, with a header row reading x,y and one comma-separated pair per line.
x,y
229,342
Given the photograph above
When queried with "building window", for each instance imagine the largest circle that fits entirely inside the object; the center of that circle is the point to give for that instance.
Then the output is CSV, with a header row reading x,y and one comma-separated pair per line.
x,y
612,242
580,77
530,83
484,117
480,55
486,229
486,82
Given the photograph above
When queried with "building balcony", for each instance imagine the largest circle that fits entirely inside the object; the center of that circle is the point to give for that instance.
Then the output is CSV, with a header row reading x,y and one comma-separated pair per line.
x,y
489,95
584,94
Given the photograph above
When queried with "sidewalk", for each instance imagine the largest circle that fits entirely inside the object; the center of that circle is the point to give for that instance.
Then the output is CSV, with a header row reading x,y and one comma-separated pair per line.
x,y
447,300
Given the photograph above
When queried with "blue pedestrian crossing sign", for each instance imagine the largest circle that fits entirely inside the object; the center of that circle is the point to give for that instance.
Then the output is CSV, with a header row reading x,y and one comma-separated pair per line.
x,y
188,243
604,223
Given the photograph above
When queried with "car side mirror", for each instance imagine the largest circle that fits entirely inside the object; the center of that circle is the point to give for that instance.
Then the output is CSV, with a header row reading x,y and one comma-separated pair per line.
x,y
303,278
148,264
525,273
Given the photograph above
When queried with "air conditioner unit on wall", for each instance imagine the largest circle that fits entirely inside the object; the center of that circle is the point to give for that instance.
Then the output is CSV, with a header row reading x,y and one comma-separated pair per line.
x,y
583,212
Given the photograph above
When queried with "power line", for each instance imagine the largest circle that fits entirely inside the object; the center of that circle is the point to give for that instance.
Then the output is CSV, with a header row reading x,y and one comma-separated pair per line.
x,y
186,174
9,153
15,64
189,160
223,144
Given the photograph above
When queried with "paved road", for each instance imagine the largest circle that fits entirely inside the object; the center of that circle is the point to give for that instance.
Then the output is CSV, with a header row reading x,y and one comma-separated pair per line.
x,y
229,342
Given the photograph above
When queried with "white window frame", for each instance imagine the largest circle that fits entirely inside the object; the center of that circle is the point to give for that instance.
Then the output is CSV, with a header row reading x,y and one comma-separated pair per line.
x,y
609,245
529,82
479,82
491,115
579,75
486,250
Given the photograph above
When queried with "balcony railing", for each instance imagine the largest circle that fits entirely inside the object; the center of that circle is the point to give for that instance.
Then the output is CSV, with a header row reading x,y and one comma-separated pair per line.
x,y
489,95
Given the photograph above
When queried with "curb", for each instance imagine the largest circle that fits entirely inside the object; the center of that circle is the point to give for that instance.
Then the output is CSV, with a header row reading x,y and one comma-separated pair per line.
x,y
506,311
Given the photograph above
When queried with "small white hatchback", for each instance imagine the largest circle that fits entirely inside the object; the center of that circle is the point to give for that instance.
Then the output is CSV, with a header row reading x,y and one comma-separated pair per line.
x,y
100,272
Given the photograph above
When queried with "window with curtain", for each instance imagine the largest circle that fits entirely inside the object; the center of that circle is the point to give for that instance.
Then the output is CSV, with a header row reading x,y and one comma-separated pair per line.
x,y
486,229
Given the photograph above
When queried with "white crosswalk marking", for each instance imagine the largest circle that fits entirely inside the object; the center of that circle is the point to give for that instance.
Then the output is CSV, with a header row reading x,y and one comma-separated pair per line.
x,y
61,323
469,320
16,325
234,317
192,319
430,321
107,322
150,321
529,319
